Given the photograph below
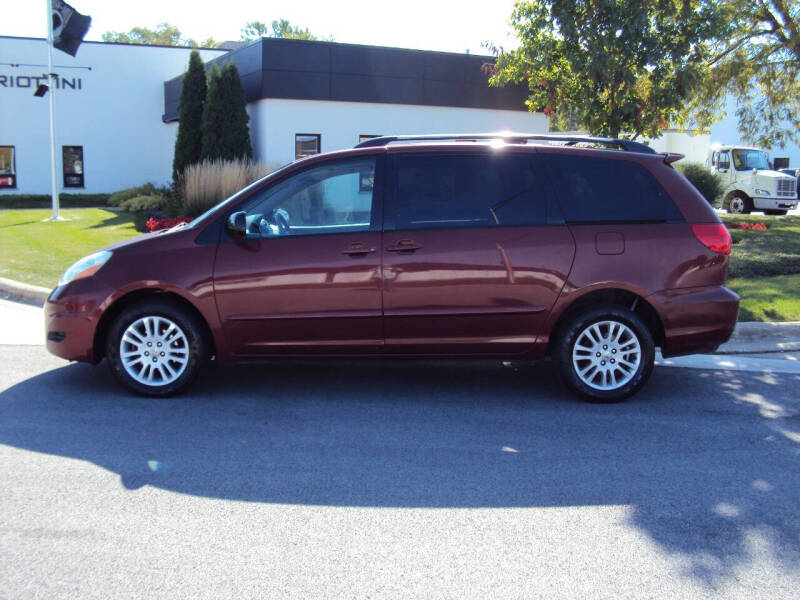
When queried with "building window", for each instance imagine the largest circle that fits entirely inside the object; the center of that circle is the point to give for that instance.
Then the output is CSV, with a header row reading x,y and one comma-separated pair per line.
x,y
8,173
306,144
367,136
73,166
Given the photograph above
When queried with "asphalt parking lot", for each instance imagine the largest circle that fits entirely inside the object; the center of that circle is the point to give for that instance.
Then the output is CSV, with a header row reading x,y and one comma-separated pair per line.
x,y
414,480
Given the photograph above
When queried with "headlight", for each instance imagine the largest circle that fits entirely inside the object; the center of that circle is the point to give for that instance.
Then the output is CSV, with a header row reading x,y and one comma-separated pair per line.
x,y
762,192
85,267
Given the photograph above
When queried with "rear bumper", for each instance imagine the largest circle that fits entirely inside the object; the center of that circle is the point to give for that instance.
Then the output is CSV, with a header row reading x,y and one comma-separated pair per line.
x,y
696,319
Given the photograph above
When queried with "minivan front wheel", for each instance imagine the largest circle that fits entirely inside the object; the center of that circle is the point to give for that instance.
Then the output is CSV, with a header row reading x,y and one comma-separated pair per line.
x,y
155,348
605,354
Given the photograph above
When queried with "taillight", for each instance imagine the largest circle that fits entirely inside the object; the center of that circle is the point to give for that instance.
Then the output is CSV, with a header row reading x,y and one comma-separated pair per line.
x,y
713,236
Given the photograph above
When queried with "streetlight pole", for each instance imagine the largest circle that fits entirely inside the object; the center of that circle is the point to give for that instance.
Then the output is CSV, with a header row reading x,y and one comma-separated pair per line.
x,y
53,82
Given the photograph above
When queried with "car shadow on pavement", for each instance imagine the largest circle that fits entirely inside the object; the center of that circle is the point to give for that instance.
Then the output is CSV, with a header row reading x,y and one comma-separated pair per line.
x,y
703,475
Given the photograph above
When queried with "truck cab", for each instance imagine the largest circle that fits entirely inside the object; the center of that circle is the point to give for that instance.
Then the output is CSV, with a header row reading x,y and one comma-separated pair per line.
x,y
750,182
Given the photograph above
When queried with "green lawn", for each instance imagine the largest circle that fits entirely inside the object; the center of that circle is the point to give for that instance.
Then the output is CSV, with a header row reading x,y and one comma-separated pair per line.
x,y
768,298
764,265
775,251
36,251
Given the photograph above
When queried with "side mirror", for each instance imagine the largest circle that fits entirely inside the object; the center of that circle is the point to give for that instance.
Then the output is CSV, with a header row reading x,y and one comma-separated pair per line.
x,y
237,223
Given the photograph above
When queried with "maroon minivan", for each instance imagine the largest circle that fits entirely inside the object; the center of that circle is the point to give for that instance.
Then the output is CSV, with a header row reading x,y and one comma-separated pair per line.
x,y
495,245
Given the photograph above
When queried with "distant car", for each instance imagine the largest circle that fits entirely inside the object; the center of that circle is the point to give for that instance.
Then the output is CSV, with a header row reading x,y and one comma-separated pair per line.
x,y
794,173
493,245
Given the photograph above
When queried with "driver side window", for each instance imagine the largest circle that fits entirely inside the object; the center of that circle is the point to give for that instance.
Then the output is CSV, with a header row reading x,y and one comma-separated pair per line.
x,y
334,197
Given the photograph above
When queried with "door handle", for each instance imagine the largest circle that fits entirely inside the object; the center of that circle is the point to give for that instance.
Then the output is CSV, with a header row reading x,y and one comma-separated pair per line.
x,y
404,246
358,249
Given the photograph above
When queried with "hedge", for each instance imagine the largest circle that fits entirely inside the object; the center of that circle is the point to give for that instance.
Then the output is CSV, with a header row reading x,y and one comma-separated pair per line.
x,y
44,200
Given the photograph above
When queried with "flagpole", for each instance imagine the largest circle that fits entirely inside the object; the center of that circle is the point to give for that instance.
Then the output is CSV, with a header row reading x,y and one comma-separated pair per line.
x,y
52,81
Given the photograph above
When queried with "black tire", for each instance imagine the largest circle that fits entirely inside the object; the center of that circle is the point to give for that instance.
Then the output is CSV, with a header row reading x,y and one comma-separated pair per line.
x,y
733,208
777,213
568,335
189,325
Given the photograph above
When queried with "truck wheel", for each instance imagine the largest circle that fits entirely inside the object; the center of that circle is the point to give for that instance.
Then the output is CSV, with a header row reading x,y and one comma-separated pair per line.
x,y
739,204
605,354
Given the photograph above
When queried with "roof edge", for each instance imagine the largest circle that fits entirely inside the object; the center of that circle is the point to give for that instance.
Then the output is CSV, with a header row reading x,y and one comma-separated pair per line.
x,y
19,37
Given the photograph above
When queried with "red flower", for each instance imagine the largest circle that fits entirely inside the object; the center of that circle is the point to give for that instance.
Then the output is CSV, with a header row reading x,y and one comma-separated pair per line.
x,y
753,226
154,224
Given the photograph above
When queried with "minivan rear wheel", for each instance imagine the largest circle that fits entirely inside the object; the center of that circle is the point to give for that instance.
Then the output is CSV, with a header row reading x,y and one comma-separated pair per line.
x,y
155,347
605,354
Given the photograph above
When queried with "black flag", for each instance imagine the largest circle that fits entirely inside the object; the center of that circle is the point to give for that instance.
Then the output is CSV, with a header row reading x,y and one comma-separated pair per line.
x,y
69,27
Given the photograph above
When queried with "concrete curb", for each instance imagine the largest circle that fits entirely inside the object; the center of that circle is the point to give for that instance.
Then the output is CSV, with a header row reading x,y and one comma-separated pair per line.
x,y
16,290
759,338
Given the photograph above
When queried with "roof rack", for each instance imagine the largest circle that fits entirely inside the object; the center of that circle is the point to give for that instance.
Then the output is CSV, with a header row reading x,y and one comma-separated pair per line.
x,y
512,138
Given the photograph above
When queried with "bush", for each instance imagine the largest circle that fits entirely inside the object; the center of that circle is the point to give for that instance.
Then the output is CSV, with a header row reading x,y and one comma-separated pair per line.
x,y
44,200
189,141
209,182
226,135
117,198
706,181
148,203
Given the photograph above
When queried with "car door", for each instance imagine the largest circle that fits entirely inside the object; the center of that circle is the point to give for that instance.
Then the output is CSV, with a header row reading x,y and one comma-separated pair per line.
x,y
305,277
475,253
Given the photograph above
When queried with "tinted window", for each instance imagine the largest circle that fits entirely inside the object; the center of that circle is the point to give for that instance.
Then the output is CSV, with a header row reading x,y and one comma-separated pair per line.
x,y
8,175
306,144
334,197
607,190
72,158
467,191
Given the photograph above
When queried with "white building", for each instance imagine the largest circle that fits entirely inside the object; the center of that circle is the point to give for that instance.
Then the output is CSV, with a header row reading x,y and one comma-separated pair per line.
x,y
108,104
117,105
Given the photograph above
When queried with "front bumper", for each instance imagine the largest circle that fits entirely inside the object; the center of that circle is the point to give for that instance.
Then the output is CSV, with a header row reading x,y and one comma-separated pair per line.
x,y
696,319
70,324
775,203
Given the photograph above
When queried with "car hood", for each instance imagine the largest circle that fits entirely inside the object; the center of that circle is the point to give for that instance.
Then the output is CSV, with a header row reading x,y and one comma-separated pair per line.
x,y
770,175
155,238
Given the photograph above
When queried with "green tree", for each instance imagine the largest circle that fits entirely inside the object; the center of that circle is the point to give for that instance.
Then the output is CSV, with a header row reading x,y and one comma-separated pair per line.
x,y
189,142
163,35
280,28
226,134
611,66
756,58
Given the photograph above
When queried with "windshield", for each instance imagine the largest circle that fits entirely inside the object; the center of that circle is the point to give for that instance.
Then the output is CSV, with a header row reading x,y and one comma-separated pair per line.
x,y
747,160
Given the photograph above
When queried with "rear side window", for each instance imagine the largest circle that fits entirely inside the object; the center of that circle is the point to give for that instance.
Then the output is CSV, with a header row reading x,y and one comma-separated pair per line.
x,y
450,191
604,190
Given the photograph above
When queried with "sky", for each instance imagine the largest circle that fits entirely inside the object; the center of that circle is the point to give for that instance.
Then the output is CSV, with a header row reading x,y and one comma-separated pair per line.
x,y
445,25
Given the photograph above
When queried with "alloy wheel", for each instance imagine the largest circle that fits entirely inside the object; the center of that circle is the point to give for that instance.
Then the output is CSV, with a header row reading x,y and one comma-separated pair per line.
x,y
606,355
154,351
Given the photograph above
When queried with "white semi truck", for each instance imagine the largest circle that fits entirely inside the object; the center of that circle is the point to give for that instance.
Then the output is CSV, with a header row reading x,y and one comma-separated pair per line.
x,y
750,181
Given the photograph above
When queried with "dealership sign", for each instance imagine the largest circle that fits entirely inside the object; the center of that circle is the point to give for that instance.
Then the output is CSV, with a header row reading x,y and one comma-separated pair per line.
x,y
34,81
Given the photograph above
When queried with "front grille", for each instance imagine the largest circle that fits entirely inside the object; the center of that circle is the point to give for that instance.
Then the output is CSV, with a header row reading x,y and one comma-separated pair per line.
x,y
786,187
